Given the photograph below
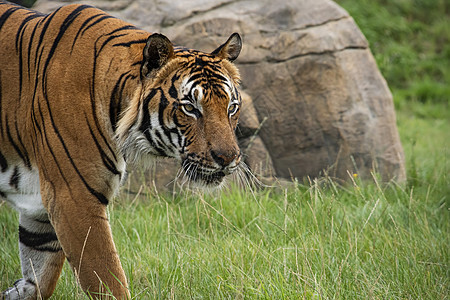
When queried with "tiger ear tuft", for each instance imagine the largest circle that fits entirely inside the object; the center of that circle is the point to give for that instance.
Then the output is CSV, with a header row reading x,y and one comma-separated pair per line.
x,y
157,52
230,49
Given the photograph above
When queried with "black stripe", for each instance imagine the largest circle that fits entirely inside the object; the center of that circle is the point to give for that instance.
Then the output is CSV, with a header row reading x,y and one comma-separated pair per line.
x,y
126,27
37,76
35,124
2,195
50,148
19,38
146,116
159,140
23,156
138,63
180,139
37,62
163,104
177,123
34,12
114,109
105,17
82,27
3,163
36,127
92,96
172,90
42,221
128,44
189,141
31,282
31,239
19,139
219,90
14,180
65,25
30,44
21,29
153,143
196,77
110,38
122,87
5,16
38,240
109,164
47,22
100,197
62,29
117,93
146,125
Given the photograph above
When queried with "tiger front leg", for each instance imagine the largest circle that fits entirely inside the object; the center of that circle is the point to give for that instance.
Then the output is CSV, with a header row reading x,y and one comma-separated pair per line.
x,y
82,227
41,259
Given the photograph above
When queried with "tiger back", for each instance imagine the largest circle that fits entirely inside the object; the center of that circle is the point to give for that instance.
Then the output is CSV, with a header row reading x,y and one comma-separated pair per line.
x,y
83,97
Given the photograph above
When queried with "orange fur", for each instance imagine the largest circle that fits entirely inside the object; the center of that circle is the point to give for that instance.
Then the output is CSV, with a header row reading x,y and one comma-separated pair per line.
x,y
72,103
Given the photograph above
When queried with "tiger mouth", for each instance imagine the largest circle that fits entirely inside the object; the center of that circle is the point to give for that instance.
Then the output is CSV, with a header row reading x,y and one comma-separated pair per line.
x,y
212,179
204,175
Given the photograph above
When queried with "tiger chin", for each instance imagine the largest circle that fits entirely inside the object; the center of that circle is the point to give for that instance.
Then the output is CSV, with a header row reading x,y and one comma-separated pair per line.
x,y
85,96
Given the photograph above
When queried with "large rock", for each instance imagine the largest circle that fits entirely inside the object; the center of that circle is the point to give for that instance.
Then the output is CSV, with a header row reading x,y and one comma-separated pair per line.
x,y
319,105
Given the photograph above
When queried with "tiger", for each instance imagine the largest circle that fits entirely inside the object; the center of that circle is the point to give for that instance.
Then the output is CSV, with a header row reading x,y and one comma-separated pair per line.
x,y
84,98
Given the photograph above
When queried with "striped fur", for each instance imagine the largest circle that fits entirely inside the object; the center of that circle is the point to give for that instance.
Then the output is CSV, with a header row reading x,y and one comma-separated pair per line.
x,y
83,95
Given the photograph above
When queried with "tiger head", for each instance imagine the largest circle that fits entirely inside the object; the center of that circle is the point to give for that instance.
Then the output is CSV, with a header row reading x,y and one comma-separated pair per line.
x,y
188,109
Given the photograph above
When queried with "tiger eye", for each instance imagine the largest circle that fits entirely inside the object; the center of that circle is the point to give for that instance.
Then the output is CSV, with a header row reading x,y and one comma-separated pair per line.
x,y
189,107
233,108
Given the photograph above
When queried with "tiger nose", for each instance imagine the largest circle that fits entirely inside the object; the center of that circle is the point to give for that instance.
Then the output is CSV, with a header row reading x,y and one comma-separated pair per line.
x,y
225,158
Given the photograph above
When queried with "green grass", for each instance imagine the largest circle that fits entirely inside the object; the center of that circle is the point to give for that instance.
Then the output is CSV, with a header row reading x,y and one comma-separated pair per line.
x,y
410,40
314,240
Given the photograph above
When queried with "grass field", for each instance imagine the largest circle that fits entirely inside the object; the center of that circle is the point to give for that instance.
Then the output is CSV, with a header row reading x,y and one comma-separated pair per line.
x,y
314,240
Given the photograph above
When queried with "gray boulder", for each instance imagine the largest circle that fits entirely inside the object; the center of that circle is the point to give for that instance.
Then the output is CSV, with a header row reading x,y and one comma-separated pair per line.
x,y
316,104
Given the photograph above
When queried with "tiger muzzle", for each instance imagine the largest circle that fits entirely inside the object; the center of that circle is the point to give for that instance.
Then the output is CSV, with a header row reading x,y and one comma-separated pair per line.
x,y
221,164
225,159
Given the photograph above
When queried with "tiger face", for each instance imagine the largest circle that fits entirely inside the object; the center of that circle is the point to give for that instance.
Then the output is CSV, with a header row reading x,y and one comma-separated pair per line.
x,y
188,110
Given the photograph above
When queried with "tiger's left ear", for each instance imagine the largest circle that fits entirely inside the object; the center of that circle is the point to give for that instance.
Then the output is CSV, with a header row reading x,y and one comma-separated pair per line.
x,y
231,49
157,52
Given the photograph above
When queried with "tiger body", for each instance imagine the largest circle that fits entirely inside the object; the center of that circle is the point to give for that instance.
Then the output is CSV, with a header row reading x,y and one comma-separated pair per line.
x,y
83,95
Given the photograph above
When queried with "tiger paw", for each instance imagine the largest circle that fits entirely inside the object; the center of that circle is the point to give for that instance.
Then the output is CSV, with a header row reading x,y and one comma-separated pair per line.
x,y
22,289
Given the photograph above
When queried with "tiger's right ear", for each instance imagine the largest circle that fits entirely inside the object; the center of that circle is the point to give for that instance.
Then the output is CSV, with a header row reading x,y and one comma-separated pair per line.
x,y
231,49
157,52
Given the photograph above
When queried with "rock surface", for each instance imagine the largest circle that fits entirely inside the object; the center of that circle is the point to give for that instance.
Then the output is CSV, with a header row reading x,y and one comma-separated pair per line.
x,y
318,101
